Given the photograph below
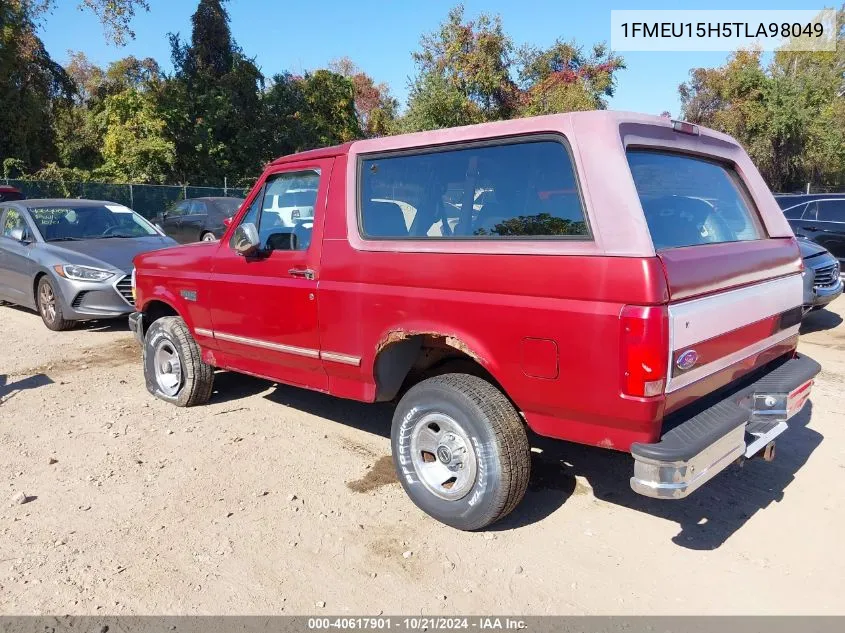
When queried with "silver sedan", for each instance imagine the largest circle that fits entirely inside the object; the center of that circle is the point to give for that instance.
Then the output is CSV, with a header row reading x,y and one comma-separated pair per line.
x,y
71,260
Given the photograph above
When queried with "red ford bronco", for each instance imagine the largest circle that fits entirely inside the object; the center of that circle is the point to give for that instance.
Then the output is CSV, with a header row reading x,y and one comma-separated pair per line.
x,y
612,279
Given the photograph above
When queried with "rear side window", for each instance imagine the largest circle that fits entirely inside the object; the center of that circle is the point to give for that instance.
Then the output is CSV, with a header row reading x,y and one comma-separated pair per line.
x,y
831,210
794,213
689,201
520,190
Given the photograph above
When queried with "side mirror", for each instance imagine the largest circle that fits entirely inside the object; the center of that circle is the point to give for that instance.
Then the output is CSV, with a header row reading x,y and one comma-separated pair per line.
x,y
19,234
245,240
227,222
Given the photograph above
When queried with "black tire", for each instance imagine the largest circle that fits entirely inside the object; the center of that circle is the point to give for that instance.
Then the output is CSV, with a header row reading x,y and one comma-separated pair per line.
x,y
195,380
53,318
494,429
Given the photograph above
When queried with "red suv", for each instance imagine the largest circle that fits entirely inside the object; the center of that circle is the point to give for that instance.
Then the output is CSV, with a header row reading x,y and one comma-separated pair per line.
x,y
612,279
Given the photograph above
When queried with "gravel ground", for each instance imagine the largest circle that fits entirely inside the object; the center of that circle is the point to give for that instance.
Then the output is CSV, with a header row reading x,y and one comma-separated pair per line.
x,y
274,500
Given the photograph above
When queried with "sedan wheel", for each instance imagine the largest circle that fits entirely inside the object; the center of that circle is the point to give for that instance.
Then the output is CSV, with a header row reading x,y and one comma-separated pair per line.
x,y
208,237
50,308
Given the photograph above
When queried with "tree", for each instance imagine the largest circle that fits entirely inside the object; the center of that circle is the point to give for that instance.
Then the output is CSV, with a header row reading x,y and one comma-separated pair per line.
x,y
787,115
30,83
135,148
212,104
35,91
375,107
466,69
562,78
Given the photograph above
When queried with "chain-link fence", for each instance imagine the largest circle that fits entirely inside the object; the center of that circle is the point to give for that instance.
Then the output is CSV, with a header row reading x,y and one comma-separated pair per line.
x,y
147,200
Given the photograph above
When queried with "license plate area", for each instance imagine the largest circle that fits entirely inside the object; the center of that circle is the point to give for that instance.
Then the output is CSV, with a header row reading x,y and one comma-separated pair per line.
x,y
779,407
769,413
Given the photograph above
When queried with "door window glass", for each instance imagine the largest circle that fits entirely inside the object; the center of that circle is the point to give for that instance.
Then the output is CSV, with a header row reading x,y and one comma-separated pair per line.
x,y
811,212
13,221
794,213
831,211
179,209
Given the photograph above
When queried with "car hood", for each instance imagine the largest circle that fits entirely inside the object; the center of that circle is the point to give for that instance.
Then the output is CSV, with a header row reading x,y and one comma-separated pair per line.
x,y
110,253
809,248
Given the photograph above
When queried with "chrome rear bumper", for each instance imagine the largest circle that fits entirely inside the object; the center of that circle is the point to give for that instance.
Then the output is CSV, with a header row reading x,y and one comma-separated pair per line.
x,y
741,424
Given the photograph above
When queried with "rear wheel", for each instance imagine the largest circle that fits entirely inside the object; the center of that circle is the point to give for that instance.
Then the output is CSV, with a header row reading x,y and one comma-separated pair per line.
x,y
207,237
460,450
173,366
50,308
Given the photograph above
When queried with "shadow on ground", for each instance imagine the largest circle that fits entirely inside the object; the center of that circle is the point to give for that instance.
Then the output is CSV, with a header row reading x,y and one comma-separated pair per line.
x,y
119,324
713,513
706,519
9,390
820,320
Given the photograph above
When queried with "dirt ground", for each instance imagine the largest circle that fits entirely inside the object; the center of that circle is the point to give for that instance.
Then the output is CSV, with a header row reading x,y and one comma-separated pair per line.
x,y
274,500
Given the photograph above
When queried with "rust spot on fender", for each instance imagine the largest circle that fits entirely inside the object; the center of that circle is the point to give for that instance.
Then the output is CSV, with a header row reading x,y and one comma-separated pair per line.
x,y
395,336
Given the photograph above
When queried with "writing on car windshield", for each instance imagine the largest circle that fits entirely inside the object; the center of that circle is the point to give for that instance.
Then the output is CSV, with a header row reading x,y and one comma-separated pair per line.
x,y
89,222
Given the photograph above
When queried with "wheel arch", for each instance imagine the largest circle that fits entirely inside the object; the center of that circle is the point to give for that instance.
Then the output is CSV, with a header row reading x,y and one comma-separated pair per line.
x,y
156,308
404,356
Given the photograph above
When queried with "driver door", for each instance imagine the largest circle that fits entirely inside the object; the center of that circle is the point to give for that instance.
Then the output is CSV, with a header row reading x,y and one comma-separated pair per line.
x,y
172,221
16,266
264,306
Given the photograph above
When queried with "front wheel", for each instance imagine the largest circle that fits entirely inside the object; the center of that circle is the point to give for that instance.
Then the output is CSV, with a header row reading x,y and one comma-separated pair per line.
x,y
460,450
207,237
173,366
50,308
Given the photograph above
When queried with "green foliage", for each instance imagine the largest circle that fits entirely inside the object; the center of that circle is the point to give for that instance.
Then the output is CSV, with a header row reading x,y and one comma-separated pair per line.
x,y
212,105
466,69
375,107
563,79
135,148
789,116
30,82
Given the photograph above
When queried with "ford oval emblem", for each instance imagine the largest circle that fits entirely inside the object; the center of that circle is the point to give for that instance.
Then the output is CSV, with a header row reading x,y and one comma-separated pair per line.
x,y
687,360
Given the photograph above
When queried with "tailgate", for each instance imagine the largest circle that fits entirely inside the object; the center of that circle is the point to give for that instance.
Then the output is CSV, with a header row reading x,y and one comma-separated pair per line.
x,y
735,291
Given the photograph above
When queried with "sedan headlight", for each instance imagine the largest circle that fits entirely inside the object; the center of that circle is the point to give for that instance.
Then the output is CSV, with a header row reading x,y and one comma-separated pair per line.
x,y
82,273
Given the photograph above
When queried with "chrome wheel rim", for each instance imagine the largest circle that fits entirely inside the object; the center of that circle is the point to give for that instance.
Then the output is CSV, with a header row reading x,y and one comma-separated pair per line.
x,y
47,302
208,237
168,368
443,456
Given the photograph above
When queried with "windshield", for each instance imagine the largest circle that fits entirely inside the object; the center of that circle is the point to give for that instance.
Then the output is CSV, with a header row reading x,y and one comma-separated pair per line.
x,y
69,222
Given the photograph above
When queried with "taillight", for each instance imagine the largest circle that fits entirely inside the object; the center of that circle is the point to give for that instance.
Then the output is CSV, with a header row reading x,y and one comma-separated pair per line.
x,y
645,350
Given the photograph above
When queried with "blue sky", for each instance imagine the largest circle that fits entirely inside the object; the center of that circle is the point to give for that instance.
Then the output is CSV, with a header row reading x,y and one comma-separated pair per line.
x,y
379,35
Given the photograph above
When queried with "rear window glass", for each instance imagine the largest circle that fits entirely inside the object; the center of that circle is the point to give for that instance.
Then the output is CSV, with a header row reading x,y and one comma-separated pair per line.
x,y
689,201
513,190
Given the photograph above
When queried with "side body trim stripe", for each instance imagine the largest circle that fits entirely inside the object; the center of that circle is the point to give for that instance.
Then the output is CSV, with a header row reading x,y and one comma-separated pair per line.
x,y
334,357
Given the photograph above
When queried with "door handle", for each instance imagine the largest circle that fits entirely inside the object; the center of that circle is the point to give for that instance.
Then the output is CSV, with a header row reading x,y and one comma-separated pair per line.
x,y
305,273
811,228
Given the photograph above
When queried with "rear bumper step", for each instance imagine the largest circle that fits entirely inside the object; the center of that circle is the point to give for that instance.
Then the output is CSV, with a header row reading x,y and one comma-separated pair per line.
x,y
739,425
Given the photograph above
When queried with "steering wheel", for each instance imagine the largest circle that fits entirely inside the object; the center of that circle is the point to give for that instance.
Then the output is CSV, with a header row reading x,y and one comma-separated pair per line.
x,y
109,231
